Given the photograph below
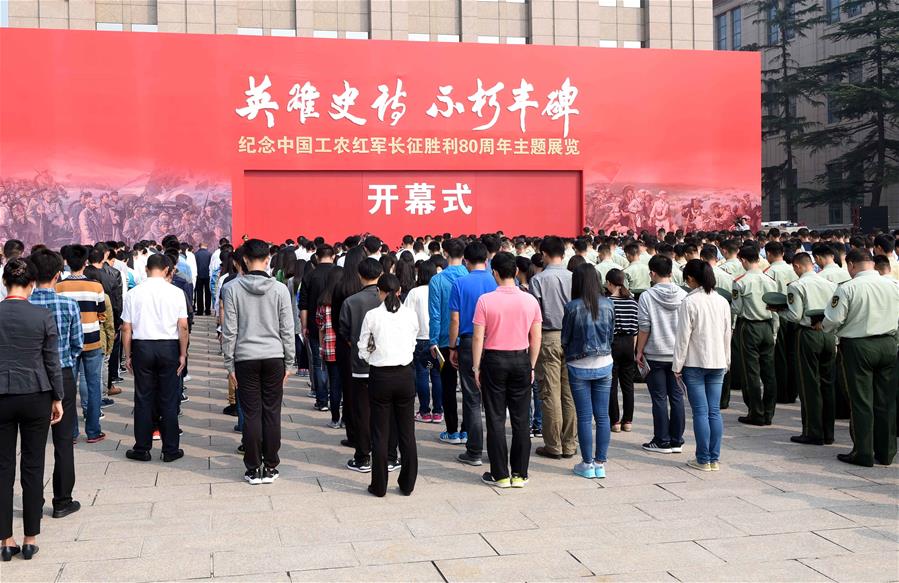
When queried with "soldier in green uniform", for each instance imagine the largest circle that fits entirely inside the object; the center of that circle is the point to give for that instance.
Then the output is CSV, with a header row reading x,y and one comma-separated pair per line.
x,y
785,344
724,283
636,274
732,264
816,351
753,365
605,265
863,314
825,255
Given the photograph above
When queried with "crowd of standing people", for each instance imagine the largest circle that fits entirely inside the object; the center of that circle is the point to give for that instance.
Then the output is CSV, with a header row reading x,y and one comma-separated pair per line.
x,y
541,332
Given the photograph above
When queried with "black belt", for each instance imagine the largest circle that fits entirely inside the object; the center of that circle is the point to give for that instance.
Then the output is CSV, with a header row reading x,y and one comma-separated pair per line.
x,y
752,321
464,336
842,338
494,351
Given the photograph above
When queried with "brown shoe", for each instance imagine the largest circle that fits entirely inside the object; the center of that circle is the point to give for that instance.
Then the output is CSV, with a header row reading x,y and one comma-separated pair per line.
x,y
114,390
542,451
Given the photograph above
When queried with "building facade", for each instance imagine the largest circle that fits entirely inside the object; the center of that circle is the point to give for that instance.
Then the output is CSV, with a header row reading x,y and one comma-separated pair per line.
x,y
738,25
678,24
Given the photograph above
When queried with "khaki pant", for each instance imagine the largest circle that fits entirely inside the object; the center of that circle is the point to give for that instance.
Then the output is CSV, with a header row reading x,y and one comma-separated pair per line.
x,y
559,414
232,392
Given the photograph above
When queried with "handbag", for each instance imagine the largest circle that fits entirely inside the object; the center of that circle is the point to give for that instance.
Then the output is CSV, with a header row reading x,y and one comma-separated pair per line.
x,y
371,344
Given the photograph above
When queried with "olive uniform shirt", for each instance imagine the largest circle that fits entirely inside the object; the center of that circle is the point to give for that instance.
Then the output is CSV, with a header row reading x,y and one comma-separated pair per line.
x,y
732,267
809,292
636,276
723,279
747,295
835,273
782,273
604,267
865,306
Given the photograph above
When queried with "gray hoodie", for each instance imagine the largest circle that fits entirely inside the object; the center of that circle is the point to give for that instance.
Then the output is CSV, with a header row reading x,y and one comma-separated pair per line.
x,y
657,314
258,320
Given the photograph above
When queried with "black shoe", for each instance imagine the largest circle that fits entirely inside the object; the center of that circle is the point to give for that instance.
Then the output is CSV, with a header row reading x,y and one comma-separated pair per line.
x,y
536,432
140,456
828,441
175,455
848,458
269,475
184,398
70,508
470,460
806,440
394,466
568,456
106,402
29,551
371,490
747,420
322,407
117,379
363,467
241,449
656,447
7,553
254,477
543,452
230,410
347,443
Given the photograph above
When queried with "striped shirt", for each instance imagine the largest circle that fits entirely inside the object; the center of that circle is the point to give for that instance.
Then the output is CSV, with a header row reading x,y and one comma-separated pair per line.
x,y
92,303
625,316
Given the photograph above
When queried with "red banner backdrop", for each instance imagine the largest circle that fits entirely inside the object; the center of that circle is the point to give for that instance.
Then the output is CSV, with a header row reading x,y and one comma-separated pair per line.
x,y
132,135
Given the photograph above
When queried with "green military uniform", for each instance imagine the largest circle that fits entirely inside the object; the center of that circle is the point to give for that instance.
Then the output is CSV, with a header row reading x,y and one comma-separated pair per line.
x,y
754,357
636,276
815,354
836,274
725,282
785,345
621,260
863,313
677,274
604,267
733,267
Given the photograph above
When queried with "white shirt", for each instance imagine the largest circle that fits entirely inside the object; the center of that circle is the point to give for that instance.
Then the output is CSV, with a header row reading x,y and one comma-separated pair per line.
x,y
153,309
394,336
417,301
191,260
421,256
303,253
215,261
703,332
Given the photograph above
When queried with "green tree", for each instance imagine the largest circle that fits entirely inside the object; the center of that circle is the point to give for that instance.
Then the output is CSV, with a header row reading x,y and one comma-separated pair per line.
x,y
861,91
783,21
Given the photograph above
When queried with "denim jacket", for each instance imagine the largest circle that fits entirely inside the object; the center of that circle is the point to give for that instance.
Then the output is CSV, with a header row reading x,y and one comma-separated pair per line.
x,y
582,336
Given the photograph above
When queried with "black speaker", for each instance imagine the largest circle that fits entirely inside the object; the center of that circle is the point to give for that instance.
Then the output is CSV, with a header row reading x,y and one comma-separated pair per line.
x,y
874,217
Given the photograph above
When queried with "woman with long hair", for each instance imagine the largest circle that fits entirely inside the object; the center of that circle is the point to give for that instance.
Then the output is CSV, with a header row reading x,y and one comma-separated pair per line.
x,y
327,340
349,284
426,366
405,272
294,283
623,346
701,357
587,330
31,392
387,343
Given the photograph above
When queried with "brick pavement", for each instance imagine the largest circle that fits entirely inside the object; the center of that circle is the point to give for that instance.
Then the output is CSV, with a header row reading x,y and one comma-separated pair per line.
x,y
776,512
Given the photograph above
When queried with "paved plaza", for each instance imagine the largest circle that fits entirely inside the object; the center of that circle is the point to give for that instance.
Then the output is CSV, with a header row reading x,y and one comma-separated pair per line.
x,y
776,512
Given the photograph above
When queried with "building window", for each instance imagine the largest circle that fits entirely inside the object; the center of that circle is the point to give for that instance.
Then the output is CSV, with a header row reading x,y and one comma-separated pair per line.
x,y
854,9
833,110
632,3
791,105
835,213
447,38
324,34
419,36
249,31
632,44
283,32
773,27
856,75
774,205
736,26
113,26
488,40
516,40
608,44
610,3
832,7
721,32
357,35
144,28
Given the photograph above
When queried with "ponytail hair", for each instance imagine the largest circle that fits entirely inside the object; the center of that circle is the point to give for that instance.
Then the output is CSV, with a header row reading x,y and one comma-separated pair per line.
x,y
616,278
390,284
702,274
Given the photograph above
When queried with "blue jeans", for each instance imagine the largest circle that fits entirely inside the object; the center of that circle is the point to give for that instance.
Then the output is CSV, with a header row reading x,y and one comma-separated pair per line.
x,y
89,371
318,373
335,389
704,391
427,368
667,404
590,388
536,409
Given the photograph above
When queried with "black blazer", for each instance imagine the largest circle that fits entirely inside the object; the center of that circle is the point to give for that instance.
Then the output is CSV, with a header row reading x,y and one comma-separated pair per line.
x,y
29,350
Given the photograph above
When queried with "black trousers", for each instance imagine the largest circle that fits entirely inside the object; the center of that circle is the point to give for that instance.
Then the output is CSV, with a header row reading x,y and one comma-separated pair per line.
x,y
449,376
506,384
115,360
203,296
623,372
392,391
28,415
157,393
63,448
260,389
344,365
